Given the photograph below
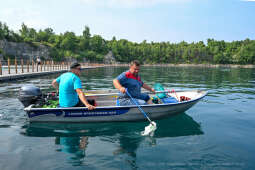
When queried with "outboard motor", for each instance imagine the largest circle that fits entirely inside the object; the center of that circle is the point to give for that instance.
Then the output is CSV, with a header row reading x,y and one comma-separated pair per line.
x,y
30,94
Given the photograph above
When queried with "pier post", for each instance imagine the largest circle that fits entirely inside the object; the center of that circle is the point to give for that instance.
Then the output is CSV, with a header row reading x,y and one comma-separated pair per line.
x,y
1,68
28,66
22,67
16,67
9,67
32,65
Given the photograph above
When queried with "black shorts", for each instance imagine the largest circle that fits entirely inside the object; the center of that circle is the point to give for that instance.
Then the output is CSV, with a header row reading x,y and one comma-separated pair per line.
x,y
90,101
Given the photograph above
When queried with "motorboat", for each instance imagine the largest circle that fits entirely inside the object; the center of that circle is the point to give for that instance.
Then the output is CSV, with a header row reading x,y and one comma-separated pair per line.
x,y
106,109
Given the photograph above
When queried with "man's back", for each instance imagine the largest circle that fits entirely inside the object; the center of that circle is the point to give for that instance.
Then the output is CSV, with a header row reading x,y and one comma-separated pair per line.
x,y
68,83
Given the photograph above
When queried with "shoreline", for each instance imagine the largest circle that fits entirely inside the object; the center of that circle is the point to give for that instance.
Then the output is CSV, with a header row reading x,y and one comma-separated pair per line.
x,y
189,65
204,65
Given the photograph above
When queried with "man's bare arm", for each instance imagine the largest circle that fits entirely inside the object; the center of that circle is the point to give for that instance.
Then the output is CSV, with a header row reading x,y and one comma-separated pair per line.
x,y
148,88
83,99
55,84
118,86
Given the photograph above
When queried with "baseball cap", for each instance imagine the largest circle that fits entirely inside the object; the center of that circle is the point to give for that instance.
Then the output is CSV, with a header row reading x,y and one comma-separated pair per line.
x,y
74,65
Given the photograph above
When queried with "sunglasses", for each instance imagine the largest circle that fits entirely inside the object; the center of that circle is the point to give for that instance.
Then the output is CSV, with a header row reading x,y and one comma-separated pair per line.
x,y
78,69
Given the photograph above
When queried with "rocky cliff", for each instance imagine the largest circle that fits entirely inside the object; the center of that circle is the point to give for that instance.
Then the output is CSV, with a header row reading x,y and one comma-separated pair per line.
x,y
31,51
23,50
109,58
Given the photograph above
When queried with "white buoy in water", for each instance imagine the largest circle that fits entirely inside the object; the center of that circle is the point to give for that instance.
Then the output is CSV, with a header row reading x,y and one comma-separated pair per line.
x,y
149,130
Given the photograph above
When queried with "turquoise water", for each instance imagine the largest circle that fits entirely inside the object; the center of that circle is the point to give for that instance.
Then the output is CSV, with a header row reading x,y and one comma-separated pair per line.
x,y
216,133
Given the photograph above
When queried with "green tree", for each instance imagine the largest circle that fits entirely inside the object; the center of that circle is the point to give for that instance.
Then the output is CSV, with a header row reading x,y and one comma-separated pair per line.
x,y
28,34
45,36
69,41
84,39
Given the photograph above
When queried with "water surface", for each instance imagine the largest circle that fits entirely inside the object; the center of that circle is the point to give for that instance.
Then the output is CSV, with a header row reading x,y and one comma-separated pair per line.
x,y
217,133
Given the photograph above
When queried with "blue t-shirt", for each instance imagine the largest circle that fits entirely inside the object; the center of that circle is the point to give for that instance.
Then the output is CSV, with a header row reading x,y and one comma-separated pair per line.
x,y
133,84
68,83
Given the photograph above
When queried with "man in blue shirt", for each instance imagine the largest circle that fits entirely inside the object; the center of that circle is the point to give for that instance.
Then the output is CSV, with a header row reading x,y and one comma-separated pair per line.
x,y
69,86
131,81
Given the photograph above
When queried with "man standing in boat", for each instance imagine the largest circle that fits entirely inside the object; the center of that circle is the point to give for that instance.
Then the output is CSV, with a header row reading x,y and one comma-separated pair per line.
x,y
69,86
131,81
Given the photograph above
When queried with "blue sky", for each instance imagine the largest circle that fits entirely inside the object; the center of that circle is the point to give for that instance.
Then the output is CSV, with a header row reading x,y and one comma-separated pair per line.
x,y
137,20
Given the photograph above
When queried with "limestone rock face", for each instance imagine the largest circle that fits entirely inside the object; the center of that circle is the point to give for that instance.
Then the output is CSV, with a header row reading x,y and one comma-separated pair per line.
x,y
24,50
109,58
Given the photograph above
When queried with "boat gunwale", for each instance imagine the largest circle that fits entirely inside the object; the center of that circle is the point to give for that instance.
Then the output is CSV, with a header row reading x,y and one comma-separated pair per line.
x,y
29,109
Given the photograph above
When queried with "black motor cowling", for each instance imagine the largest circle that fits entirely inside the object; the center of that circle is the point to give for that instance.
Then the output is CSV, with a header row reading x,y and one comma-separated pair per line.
x,y
30,94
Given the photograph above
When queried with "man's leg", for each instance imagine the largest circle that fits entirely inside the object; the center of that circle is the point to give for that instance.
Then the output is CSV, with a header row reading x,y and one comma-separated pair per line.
x,y
128,101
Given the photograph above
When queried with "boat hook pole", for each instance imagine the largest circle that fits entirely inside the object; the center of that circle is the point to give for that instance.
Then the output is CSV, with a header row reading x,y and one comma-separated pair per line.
x,y
139,107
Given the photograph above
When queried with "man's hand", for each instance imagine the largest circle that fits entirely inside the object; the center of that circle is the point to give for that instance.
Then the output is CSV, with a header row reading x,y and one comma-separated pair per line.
x,y
153,90
123,90
90,107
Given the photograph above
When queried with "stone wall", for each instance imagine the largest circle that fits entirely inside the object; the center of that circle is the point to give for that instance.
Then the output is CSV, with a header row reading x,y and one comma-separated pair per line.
x,y
23,50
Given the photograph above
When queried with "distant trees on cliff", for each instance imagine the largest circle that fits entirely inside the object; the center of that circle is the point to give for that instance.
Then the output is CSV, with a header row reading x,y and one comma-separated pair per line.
x,y
94,47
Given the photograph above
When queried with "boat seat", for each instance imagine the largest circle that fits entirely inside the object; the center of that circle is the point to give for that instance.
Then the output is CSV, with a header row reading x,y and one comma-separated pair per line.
x,y
106,103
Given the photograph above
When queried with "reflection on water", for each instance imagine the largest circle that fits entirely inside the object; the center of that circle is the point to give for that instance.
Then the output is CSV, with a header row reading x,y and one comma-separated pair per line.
x,y
74,138
74,145
179,125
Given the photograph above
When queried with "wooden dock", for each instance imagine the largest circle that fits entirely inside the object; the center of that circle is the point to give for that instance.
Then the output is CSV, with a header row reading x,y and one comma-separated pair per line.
x,y
19,70
10,77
